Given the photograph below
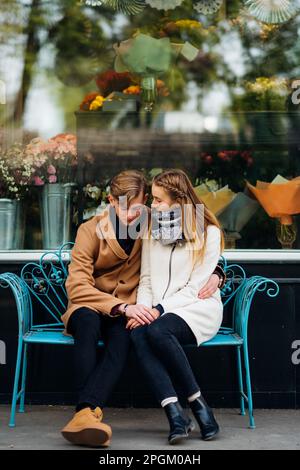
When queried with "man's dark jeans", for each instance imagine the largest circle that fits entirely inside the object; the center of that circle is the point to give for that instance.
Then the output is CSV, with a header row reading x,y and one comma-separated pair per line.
x,y
95,380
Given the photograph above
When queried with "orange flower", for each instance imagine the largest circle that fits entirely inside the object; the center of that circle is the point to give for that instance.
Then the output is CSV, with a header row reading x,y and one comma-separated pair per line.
x,y
161,88
132,90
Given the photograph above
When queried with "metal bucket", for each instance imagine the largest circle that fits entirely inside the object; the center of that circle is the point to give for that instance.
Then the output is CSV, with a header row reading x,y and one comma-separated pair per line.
x,y
19,231
8,218
56,214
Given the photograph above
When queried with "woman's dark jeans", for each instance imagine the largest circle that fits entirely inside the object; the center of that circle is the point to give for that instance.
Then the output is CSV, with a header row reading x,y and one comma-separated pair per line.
x,y
160,353
95,380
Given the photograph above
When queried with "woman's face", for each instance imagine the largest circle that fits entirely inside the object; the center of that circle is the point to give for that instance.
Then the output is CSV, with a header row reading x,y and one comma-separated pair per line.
x,y
161,199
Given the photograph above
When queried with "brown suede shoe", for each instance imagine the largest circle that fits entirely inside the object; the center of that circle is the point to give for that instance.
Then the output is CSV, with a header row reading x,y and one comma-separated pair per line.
x,y
86,429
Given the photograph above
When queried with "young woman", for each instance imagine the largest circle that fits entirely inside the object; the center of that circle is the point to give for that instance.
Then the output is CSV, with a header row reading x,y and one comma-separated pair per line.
x,y
178,258
103,278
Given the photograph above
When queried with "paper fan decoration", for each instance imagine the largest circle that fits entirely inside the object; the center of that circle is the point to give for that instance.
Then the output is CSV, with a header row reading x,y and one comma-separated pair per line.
x,y
129,7
208,7
272,11
164,4
92,3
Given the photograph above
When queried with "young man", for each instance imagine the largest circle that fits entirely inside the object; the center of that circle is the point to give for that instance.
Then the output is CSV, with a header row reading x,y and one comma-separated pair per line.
x,y
102,283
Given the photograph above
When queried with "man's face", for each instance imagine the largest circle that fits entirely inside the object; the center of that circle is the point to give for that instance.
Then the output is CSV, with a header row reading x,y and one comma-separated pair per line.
x,y
128,211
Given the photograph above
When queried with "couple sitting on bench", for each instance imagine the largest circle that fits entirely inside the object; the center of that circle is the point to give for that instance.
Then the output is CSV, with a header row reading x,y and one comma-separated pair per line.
x,y
148,278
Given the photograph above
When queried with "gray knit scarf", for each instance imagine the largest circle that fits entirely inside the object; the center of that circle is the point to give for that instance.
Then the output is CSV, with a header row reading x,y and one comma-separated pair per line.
x,y
166,226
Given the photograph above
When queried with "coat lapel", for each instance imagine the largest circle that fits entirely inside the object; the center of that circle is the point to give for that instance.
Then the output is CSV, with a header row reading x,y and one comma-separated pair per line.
x,y
107,232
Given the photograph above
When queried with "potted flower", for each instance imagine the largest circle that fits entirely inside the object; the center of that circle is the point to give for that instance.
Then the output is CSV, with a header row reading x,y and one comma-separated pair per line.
x,y
261,109
15,177
54,162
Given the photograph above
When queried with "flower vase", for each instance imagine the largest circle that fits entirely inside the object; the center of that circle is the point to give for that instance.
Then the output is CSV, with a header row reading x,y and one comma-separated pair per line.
x,y
286,232
230,239
55,204
8,211
148,92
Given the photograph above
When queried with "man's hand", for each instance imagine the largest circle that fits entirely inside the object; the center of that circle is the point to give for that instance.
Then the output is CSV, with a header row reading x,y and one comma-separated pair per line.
x,y
132,323
210,287
140,313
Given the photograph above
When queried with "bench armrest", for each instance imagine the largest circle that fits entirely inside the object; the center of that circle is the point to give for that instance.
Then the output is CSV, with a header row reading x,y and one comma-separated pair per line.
x,y
22,297
244,298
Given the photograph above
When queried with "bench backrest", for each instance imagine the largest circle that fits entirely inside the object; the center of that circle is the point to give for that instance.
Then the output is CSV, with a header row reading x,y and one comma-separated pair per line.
x,y
45,281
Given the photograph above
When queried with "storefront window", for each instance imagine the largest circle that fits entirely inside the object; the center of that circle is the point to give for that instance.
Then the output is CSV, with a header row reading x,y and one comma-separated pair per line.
x,y
91,87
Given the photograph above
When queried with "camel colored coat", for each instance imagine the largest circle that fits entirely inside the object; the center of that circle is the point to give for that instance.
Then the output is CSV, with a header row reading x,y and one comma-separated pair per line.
x,y
101,274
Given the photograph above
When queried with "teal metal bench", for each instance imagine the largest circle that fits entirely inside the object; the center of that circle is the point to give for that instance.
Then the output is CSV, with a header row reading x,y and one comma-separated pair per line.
x,y
44,282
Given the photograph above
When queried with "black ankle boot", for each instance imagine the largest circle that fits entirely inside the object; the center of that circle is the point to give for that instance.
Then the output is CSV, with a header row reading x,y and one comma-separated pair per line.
x,y
205,418
180,424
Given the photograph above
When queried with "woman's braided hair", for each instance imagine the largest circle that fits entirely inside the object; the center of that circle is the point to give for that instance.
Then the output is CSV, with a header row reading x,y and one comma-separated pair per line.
x,y
180,189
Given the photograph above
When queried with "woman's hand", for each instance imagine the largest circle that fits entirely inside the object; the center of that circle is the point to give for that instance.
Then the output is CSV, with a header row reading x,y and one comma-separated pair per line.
x,y
210,287
140,313
132,323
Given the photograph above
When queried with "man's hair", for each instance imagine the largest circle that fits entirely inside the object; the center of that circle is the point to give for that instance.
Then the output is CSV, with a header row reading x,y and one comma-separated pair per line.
x,y
128,183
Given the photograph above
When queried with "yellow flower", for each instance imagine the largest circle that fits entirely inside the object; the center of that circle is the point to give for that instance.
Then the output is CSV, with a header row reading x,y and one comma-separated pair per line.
x,y
188,24
97,103
263,84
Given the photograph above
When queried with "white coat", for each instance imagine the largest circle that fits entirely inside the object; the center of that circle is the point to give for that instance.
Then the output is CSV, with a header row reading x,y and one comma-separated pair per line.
x,y
169,277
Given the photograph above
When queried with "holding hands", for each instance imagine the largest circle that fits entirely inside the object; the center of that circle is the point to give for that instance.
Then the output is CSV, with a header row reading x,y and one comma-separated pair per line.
x,y
139,314
135,320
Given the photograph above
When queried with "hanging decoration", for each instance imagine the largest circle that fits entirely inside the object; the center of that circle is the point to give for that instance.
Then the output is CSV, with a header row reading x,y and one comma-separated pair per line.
x,y
92,3
164,4
208,7
272,11
129,7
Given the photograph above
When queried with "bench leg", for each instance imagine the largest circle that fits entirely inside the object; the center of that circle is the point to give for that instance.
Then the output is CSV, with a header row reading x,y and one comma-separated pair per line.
x,y
12,421
248,385
23,383
240,378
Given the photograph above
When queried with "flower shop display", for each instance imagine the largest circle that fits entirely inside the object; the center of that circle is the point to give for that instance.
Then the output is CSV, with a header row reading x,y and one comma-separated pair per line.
x,y
95,200
260,111
226,166
55,163
264,94
15,177
117,90
281,200
215,198
234,210
273,11
147,57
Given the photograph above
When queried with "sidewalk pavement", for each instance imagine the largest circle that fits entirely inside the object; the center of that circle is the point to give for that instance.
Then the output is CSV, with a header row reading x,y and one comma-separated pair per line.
x,y
147,429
